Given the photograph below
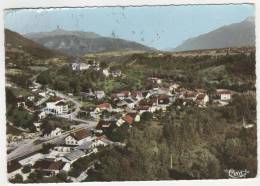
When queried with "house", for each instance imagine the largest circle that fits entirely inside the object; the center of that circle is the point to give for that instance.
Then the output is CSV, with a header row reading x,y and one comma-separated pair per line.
x,y
73,156
155,80
135,115
145,105
51,167
58,107
102,107
21,104
163,100
116,73
163,90
223,94
79,137
42,115
106,72
130,102
31,98
174,87
99,94
42,94
37,126
128,118
123,94
62,149
53,133
137,95
31,159
80,66
146,94
102,124
189,95
21,101
202,99
88,147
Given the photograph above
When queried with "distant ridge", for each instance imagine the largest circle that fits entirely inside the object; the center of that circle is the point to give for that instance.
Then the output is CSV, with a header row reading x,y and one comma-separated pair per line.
x,y
80,43
235,35
16,40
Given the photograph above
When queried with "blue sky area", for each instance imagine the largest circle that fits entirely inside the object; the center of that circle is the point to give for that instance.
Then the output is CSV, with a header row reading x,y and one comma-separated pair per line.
x,y
161,27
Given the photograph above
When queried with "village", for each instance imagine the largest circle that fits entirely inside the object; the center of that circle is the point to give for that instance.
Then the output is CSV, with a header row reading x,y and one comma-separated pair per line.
x,y
64,147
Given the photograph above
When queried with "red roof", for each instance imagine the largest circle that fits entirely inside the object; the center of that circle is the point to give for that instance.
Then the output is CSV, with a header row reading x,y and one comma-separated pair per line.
x,y
128,119
200,96
223,91
81,134
48,165
189,94
104,106
147,103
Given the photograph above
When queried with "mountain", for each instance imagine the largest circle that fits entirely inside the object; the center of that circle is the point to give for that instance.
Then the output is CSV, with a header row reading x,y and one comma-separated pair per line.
x,y
80,43
17,42
234,35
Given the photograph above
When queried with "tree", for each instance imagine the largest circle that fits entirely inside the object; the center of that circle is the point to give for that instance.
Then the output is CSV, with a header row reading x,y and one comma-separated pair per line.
x,y
17,179
35,177
46,148
26,169
103,64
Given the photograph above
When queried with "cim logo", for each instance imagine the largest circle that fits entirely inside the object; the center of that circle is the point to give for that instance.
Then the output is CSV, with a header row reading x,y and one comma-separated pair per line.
x,y
237,173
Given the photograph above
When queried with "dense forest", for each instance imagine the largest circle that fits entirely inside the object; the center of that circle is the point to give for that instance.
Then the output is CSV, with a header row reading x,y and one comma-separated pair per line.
x,y
202,143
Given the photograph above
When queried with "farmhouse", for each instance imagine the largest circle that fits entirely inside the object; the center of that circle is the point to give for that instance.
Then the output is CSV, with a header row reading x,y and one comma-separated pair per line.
x,y
80,66
223,94
78,138
50,167
102,107
202,99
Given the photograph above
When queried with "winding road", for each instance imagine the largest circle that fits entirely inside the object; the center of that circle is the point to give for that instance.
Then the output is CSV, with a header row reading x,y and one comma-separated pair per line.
x,y
27,147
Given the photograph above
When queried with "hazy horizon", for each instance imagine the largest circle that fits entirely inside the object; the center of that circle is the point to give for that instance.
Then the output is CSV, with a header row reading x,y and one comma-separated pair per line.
x,y
160,27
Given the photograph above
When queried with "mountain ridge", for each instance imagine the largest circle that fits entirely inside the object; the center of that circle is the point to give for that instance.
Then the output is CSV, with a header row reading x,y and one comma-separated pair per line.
x,y
80,43
239,34
16,40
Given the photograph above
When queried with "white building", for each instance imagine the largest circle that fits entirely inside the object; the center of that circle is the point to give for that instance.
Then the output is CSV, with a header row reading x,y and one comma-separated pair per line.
x,y
106,72
99,94
53,133
78,138
80,66
202,99
37,126
42,115
223,94
58,107
51,167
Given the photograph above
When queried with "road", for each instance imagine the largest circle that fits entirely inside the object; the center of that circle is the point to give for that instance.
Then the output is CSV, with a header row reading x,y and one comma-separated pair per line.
x,y
71,116
29,146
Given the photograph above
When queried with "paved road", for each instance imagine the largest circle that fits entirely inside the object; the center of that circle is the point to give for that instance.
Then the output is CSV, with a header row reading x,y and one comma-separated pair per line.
x,y
29,146
71,116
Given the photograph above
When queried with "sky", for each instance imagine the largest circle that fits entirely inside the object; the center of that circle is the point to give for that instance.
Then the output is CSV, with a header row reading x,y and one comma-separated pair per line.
x,y
161,27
